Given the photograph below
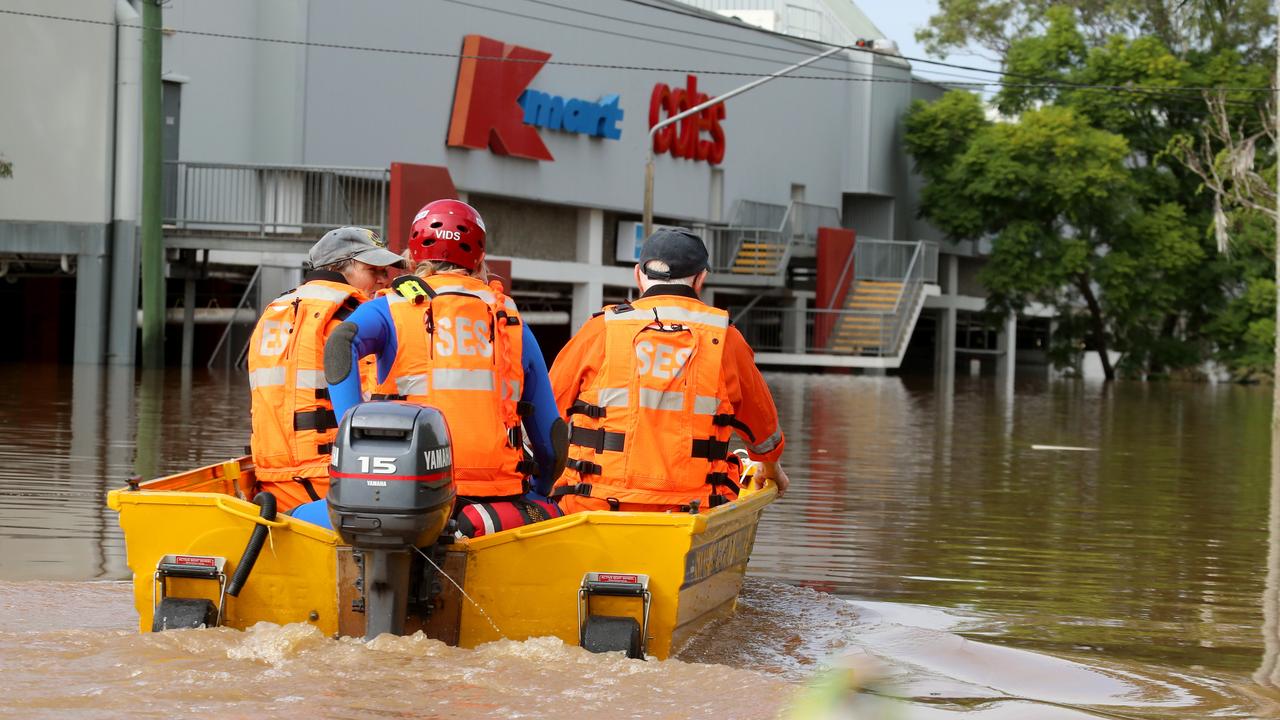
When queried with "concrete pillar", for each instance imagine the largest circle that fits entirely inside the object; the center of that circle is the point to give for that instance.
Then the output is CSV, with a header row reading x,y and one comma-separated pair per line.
x,y
274,281
188,318
945,343
588,293
1007,360
92,300
122,334
945,328
793,326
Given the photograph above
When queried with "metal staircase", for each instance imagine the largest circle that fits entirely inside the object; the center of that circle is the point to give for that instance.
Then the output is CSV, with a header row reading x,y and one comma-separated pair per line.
x,y
756,247
865,327
869,327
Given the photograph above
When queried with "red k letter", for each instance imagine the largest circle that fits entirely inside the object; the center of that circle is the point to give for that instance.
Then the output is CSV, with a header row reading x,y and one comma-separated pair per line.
x,y
486,111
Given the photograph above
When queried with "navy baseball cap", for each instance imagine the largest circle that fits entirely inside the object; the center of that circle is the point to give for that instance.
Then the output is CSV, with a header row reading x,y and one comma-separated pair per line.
x,y
682,251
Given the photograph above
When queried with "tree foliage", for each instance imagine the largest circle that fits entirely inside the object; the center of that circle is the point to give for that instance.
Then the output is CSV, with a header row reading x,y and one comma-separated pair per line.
x,y
1087,210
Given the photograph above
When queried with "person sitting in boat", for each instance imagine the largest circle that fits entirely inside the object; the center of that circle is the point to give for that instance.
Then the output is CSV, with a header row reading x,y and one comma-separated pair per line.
x,y
655,387
448,338
293,423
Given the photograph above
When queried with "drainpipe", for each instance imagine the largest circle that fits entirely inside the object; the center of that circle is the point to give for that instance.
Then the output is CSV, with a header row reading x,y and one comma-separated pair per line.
x,y
124,230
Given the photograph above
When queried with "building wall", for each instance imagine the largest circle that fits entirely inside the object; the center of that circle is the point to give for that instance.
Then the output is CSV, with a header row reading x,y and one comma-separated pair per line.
x,y
56,112
527,229
242,100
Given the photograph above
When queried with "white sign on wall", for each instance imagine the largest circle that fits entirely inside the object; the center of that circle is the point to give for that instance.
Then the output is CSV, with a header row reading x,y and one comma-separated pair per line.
x,y
631,239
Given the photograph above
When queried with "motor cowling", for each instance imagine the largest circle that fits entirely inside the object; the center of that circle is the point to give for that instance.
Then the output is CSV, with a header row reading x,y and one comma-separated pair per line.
x,y
391,476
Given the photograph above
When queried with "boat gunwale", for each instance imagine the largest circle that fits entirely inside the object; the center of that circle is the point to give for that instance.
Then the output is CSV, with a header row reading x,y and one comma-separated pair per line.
x,y
756,499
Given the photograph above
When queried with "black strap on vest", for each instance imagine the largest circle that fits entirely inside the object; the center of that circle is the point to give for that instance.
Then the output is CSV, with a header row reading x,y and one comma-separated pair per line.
x,y
583,489
324,449
710,449
600,440
527,467
730,420
318,420
306,485
388,396
719,479
584,467
524,409
322,393
579,407
348,306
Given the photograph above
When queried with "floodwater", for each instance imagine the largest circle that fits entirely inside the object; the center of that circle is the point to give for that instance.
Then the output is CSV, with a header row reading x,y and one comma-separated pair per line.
x,y
1071,551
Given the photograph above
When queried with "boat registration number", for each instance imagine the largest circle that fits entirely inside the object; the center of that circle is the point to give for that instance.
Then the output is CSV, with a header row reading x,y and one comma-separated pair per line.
x,y
732,549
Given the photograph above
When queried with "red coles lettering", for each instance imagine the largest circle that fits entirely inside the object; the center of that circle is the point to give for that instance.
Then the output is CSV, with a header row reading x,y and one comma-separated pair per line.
x,y
697,137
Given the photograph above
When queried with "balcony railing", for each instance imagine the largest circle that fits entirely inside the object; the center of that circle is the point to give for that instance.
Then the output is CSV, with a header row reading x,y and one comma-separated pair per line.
x,y
892,260
762,237
273,200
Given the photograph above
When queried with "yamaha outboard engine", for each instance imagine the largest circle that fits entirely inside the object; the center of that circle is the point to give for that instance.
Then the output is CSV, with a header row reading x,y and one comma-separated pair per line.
x,y
390,490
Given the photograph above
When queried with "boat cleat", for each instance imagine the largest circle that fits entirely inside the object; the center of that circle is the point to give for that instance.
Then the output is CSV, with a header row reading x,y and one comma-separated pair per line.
x,y
613,633
169,613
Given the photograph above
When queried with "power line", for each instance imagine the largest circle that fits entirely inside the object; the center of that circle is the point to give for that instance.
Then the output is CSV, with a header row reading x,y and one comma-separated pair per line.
x,y
773,33
843,76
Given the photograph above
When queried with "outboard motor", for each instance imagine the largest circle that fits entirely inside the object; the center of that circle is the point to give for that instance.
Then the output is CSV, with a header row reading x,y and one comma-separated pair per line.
x,y
390,490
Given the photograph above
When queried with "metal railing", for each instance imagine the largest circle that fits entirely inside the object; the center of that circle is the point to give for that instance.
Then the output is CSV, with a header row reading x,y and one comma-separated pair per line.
x,y
274,200
872,333
809,331
767,233
892,260
803,220
725,243
225,346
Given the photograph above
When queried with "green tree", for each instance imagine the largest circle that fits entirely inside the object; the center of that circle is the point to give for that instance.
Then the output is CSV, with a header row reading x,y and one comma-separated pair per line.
x,y
992,27
1121,68
1058,202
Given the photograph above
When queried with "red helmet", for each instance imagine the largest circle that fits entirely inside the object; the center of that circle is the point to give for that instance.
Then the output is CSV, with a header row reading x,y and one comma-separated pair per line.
x,y
448,230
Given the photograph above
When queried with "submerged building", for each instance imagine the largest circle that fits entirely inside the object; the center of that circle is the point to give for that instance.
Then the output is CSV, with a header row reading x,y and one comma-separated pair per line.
x,y
284,119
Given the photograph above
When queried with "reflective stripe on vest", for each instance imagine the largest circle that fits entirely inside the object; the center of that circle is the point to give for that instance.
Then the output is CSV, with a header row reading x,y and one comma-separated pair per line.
x,y
669,314
484,295
311,379
266,377
657,400
447,379
768,444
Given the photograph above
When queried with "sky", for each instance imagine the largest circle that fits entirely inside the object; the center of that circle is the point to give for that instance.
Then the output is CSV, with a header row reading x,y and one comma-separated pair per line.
x,y
899,20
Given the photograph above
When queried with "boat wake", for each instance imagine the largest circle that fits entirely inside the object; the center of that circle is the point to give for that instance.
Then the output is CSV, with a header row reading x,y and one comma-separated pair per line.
x,y
916,662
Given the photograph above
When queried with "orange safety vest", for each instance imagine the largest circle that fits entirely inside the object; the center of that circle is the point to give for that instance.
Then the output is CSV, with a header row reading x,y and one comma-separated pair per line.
x,y
293,422
458,349
654,425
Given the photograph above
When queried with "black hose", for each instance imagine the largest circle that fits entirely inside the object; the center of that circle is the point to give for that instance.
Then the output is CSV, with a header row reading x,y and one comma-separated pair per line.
x,y
267,502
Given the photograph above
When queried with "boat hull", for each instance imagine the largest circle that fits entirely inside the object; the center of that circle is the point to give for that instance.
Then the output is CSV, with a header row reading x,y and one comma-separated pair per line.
x,y
521,582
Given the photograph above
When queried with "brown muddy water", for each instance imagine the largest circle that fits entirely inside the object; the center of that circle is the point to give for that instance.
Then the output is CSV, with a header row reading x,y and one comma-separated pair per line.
x,y
939,544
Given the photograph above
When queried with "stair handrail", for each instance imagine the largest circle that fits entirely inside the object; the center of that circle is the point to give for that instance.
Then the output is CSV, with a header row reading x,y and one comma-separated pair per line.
x,y
848,265
230,323
909,283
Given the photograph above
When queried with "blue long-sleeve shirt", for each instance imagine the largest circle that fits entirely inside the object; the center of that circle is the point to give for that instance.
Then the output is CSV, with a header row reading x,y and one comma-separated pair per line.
x,y
376,335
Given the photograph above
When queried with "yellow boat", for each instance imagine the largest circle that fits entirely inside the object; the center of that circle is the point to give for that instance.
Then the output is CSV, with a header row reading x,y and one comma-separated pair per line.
x,y
670,572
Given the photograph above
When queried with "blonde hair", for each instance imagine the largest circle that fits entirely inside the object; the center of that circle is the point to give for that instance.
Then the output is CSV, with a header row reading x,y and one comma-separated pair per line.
x,y
427,268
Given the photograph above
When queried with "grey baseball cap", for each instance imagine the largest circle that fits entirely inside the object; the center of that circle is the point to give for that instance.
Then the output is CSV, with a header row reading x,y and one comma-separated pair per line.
x,y
352,243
